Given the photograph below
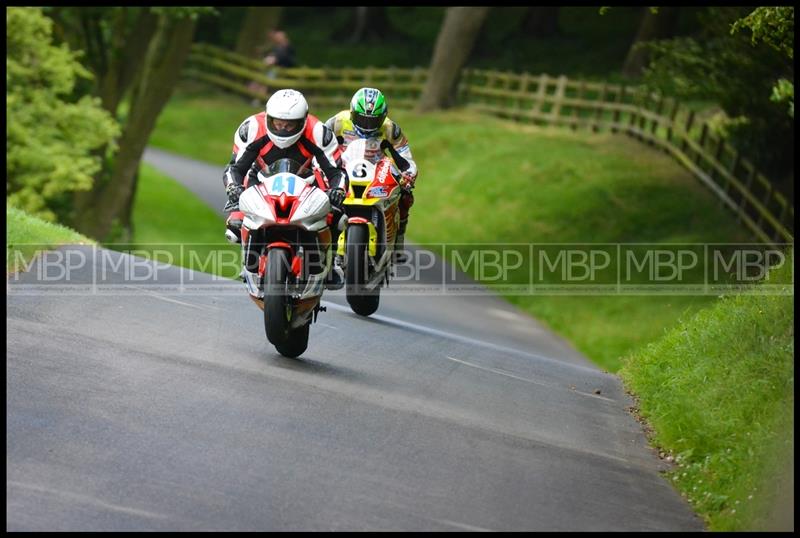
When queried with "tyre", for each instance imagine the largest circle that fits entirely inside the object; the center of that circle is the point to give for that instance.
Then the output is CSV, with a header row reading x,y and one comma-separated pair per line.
x,y
277,303
361,301
296,343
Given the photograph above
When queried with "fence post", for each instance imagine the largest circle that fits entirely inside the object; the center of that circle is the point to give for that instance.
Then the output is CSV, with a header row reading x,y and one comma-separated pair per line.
x,y
524,81
620,101
672,116
634,114
643,107
703,133
558,98
659,108
541,91
463,86
686,129
599,109
576,108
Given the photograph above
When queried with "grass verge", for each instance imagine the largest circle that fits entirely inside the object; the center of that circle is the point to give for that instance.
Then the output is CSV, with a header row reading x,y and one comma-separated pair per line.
x,y
718,392
484,180
173,226
27,235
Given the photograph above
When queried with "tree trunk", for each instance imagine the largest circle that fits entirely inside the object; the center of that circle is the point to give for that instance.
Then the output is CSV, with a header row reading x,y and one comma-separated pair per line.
x,y
359,24
653,26
542,22
457,36
126,58
369,23
156,80
258,21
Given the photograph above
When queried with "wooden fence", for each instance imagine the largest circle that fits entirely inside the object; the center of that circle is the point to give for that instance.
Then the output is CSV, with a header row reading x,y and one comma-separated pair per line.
x,y
544,100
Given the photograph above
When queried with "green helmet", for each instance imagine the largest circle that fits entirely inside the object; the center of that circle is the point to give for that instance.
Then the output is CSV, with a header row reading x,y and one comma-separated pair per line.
x,y
368,110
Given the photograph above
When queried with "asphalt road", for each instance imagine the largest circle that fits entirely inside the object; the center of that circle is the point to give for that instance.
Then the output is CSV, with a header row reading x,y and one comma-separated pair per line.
x,y
133,406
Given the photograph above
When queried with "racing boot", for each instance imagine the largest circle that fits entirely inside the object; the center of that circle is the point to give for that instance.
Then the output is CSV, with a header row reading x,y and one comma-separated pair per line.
x,y
400,254
335,279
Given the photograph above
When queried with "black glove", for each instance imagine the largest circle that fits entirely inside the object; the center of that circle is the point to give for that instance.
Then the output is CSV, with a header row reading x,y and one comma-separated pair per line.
x,y
234,190
337,196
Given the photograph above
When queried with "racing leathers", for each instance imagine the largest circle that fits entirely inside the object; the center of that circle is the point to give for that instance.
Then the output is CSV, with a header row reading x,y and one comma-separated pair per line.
x,y
342,126
253,150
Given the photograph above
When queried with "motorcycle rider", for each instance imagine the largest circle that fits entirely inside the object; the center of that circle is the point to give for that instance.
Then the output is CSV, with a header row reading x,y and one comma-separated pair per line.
x,y
284,129
368,118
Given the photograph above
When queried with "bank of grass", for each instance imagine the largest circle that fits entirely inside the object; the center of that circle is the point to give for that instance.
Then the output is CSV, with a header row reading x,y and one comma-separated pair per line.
x,y
483,180
718,391
173,225
27,235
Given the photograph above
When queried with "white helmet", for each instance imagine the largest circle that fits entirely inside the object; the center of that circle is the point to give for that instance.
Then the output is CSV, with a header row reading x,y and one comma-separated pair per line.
x,y
290,106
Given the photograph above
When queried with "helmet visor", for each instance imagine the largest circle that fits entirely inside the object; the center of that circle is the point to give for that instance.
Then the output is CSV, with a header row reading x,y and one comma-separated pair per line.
x,y
284,128
367,123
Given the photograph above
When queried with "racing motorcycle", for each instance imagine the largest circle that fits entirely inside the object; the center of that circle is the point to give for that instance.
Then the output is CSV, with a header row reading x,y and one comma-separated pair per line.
x,y
373,217
284,221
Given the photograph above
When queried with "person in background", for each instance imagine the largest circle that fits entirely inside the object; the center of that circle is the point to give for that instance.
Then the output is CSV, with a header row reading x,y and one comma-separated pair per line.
x,y
281,54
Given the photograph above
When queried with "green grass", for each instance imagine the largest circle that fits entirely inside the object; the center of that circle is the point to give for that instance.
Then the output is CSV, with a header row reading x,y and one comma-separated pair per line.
x,y
484,180
718,389
27,235
172,225
526,184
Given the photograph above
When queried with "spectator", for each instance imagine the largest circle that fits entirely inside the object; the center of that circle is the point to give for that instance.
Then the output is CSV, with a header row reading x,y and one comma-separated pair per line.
x,y
281,54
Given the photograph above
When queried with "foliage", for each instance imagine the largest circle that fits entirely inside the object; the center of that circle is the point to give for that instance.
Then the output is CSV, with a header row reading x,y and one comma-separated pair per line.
x,y
718,390
716,65
50,133
774,26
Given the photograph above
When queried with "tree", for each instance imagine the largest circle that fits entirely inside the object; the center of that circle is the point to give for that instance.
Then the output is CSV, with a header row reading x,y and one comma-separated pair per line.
x,y
369,23
258,21
454,43
774,26
727,68
136,55
50,134
542,21
655,24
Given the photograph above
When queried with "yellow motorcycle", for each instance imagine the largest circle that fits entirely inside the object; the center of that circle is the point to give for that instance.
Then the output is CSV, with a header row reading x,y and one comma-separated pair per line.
x,y
373,217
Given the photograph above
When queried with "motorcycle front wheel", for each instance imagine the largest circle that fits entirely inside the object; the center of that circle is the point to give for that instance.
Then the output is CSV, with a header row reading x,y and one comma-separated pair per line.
x,y
361,301
277,303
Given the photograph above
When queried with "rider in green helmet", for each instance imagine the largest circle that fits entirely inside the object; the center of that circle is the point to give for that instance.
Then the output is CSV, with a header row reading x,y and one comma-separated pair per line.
x,y
368,119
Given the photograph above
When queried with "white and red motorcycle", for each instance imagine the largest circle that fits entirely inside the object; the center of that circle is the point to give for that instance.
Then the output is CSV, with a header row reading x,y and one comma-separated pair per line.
x,y
285,222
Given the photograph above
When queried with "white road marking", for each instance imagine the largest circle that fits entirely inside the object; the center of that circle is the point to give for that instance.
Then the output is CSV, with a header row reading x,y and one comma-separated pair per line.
x,y
500,372
528,380
88,500
465,339
167,299
504,314
463,526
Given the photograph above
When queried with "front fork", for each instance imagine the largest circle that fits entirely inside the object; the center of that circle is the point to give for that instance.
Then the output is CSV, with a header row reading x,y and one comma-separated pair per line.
x,y
372,248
